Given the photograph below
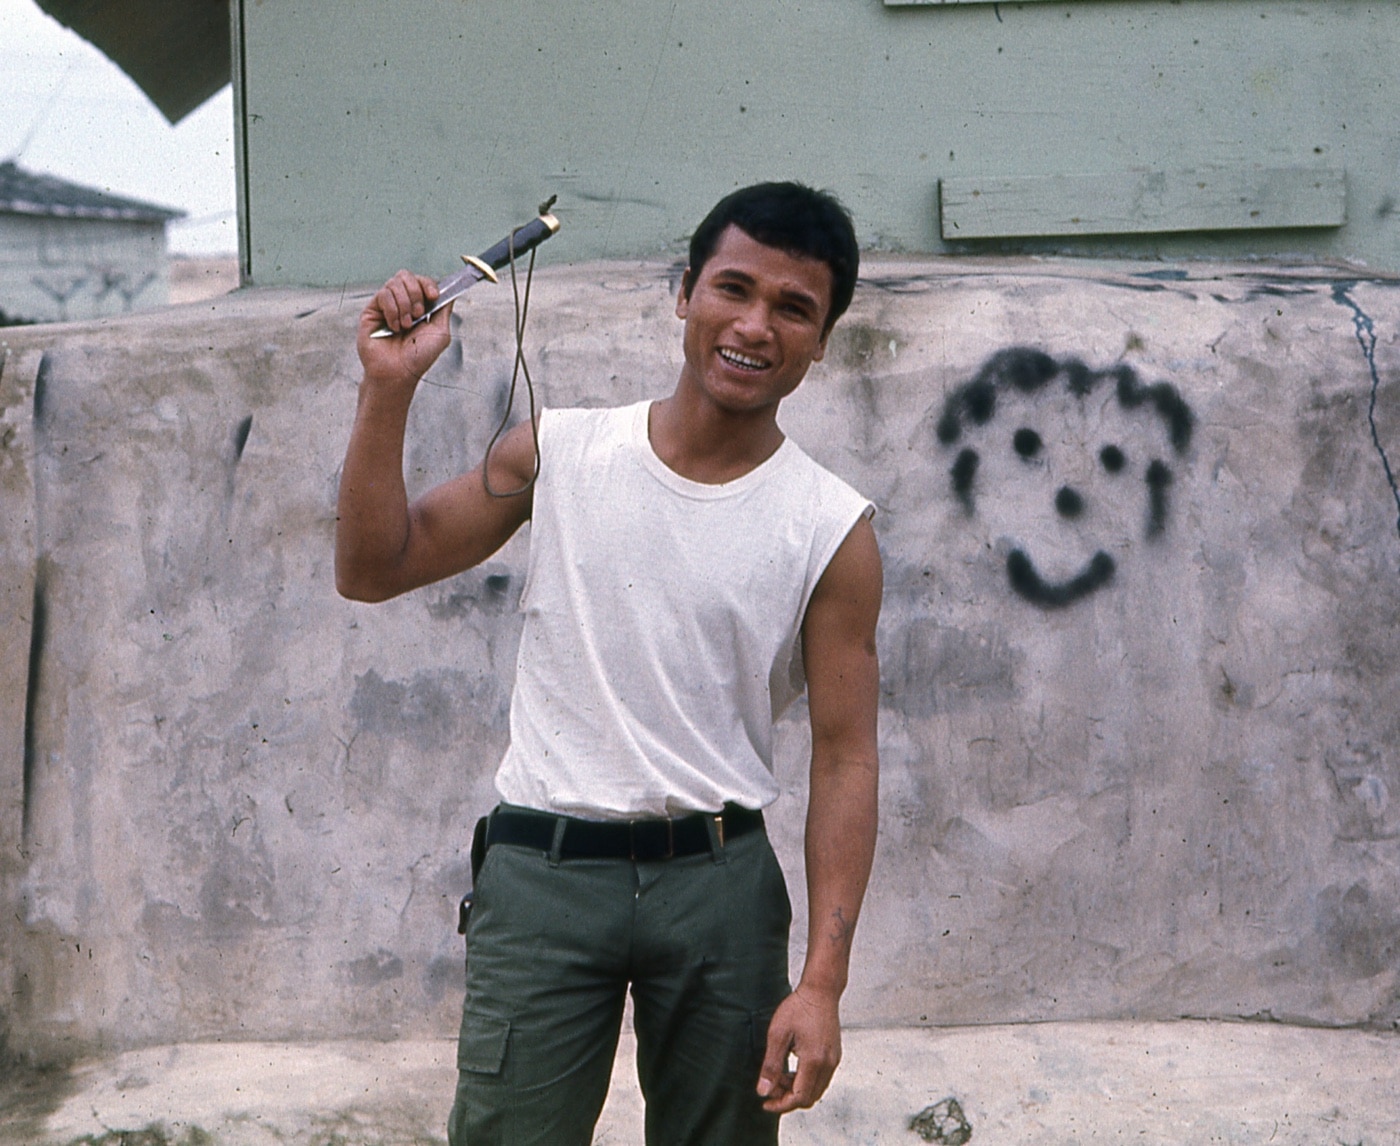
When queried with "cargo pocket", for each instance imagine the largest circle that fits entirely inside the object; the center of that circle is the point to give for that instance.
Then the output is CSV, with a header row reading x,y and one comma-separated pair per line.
x,y
758,1037
481,1045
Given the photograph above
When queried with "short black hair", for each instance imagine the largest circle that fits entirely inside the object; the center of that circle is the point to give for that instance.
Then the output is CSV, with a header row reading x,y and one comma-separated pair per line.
x,y
793,218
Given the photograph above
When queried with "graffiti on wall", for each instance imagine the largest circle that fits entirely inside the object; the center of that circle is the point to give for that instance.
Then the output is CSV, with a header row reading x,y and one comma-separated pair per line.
x,y
1062,452
99,280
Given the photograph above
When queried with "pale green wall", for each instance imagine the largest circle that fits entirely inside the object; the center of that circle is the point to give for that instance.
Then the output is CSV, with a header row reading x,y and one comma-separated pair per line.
x,y
380,135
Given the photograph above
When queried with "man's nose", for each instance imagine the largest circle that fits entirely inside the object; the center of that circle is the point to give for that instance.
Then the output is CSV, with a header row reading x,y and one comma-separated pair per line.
x,y
754,321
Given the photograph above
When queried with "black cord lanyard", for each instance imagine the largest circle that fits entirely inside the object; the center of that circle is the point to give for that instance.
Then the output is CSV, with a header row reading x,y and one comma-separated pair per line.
x,y
519,369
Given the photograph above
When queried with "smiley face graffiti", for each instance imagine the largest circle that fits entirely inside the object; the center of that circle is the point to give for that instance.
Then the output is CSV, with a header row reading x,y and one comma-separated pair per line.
x,y
1063,460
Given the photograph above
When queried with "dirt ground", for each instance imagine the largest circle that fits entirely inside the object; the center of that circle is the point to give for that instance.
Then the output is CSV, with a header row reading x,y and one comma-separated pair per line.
x,y
1160,1084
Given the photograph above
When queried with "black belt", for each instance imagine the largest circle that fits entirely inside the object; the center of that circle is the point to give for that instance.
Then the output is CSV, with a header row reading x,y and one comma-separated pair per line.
x,y
620,839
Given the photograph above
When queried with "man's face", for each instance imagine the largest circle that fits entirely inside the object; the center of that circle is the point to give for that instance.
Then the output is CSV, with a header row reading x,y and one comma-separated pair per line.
x,y
754,322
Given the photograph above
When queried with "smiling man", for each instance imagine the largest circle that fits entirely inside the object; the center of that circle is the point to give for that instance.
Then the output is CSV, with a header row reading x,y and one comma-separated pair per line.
x,y
690,568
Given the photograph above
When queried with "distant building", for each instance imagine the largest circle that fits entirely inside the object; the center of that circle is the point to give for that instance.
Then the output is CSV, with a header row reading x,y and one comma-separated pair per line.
x,y
69,252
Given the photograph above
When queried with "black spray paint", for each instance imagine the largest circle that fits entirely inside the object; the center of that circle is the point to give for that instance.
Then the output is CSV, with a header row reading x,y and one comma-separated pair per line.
x,y
1027,370
1030,585
240,436
964,472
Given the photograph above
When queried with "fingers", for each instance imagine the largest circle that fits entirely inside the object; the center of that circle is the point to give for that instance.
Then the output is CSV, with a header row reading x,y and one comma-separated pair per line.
x,y
812,1035
779,1099
395,306
403,300
801,1089
774,1079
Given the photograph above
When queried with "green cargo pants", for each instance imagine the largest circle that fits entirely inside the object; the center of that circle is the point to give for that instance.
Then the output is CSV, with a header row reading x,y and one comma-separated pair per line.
x,y
551,950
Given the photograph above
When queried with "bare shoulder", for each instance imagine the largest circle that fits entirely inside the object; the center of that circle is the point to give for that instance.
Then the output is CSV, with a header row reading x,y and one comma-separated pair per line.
x,y
462,522
839,652
848,594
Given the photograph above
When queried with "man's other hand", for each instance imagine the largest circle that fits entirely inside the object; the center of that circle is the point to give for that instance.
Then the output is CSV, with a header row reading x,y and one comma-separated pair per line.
x,y
404,358
807,1026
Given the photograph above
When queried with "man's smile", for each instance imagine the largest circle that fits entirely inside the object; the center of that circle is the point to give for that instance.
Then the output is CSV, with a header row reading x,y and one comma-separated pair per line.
x,y
743,361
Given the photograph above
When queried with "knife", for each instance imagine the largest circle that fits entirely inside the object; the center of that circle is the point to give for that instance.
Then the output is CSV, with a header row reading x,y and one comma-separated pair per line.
x,y
486,264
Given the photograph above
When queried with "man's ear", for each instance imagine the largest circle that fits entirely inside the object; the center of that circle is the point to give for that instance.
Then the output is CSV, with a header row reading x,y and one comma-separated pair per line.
x,y
683,295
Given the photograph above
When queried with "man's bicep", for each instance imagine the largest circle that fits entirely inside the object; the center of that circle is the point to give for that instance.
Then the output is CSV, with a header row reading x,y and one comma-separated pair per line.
x,y
459,524
838,639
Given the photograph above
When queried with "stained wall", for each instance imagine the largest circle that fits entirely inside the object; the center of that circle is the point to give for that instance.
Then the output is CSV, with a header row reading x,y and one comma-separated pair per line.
x,y
1137,762
1101,127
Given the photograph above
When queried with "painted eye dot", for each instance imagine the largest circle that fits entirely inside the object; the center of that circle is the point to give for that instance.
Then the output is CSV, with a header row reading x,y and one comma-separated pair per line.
x,y
1068,502
1112,458
1027,443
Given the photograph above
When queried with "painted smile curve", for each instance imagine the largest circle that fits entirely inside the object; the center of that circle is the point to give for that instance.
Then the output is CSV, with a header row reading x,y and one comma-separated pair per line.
x,y
1027,582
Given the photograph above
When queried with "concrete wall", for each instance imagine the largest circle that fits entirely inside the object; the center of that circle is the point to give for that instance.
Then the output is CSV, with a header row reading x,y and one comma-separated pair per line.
x,y
60,270
235,805
366,142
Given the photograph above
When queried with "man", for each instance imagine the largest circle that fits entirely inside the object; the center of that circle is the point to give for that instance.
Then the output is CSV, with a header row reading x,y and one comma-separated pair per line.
x,y
688,565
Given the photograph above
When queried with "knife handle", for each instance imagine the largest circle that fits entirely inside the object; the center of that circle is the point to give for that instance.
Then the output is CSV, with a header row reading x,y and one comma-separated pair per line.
x,y
518,242
523,239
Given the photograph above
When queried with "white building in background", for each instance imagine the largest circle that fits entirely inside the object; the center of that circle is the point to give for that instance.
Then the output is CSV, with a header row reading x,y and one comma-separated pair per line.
x,y
69,252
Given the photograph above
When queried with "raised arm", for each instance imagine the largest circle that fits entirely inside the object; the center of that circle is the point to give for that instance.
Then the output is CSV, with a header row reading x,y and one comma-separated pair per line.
x,y
383,545
843,691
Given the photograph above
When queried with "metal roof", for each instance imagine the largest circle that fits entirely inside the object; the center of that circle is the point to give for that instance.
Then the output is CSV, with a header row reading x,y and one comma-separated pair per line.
x,y
26,193
176,51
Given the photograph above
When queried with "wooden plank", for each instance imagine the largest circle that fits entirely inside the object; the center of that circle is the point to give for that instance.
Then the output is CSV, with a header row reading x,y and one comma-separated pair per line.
x,y
1142,202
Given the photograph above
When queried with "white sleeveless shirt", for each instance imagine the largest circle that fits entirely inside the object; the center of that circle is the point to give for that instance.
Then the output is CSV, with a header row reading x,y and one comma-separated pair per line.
x,y
662,622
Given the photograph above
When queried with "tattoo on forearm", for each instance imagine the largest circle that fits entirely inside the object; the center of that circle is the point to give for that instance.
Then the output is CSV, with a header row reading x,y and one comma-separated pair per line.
x,y
841,928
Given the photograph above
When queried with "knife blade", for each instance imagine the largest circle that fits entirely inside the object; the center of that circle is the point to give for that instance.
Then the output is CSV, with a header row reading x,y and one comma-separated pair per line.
x,y
485,265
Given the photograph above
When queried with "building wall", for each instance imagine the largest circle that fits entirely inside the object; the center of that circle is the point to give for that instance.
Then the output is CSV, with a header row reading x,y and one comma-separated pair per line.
x,y
237,806
60,270
1241,127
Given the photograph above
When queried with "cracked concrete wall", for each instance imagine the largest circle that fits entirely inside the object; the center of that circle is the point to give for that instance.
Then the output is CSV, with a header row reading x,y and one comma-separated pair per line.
x,y
1139,759
17,571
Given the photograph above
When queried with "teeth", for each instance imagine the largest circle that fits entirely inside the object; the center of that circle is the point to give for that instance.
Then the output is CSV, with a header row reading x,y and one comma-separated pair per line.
x,y
737,359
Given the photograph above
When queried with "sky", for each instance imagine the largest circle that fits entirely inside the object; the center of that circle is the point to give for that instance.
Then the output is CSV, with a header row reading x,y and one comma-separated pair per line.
x,y
67,110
